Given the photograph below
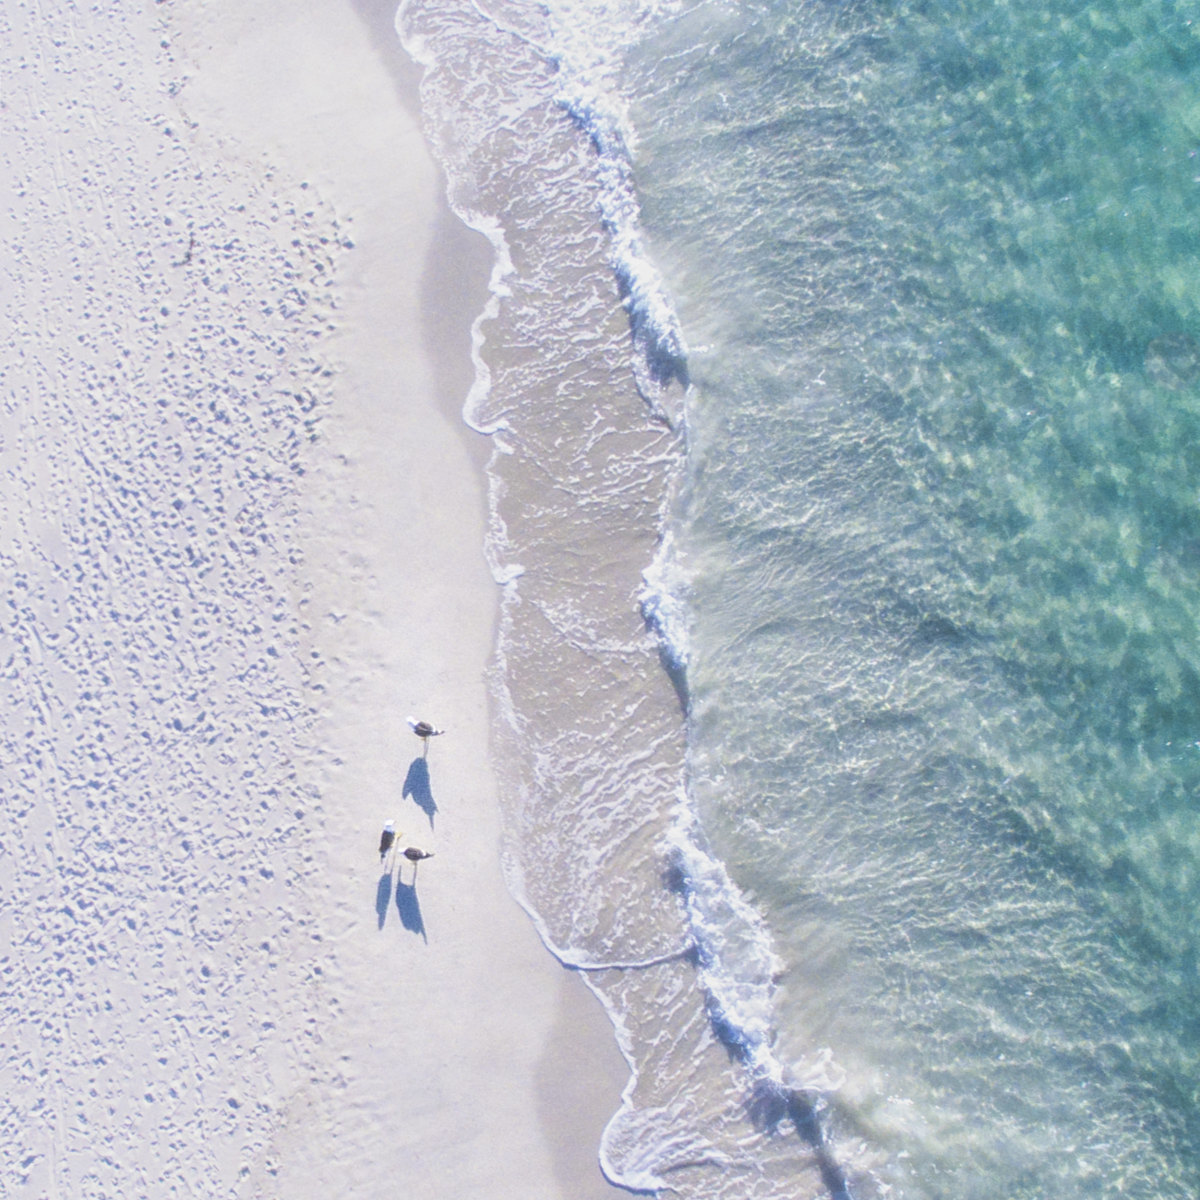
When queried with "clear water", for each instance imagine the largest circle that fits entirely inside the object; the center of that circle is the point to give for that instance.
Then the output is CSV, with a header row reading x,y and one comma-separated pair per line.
x,y
934,563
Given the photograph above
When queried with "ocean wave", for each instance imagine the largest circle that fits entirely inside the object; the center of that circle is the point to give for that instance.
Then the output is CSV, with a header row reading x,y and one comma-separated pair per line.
x,y
737,969
575,80
660,350
732,949
734,959
664,603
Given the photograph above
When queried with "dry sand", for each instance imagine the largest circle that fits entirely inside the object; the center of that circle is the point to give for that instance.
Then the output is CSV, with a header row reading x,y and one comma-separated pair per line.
x,y
241,541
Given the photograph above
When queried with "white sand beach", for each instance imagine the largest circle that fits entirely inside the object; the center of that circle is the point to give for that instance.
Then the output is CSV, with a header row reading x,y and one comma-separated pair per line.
x,y
241,531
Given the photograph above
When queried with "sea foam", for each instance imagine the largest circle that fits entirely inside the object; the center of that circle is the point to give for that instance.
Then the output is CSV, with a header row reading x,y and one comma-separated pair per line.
x,y
659,349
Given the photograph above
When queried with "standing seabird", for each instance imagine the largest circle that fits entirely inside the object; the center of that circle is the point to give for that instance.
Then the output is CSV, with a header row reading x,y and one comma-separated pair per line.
x,y
415,856
386,838
423,729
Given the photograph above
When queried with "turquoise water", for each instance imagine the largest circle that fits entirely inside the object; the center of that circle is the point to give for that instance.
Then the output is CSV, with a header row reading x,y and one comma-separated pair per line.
x,y
937,266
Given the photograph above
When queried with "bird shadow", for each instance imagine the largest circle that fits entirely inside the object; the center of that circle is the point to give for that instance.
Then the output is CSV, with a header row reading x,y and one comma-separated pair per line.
x,y
416,785
409,907
383,896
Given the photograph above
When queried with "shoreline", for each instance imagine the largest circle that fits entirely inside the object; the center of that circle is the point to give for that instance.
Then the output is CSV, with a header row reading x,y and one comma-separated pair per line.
x,y
463,1060
584,360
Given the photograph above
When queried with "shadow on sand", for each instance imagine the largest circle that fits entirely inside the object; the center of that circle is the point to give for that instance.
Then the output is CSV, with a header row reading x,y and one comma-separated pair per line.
x,y
416,785
383,896
409,907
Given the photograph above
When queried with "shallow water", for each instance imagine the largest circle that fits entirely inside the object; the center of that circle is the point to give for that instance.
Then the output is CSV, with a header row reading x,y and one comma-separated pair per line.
x,y
930,582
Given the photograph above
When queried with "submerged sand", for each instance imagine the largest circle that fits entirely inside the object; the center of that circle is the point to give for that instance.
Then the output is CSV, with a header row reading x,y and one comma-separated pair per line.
x,y
242,542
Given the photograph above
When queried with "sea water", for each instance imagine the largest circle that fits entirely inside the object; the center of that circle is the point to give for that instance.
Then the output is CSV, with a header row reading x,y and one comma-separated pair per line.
x,y
908,295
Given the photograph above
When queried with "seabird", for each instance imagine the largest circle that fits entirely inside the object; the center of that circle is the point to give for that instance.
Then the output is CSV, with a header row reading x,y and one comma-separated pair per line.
x,y
414,856
386,838
423,729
